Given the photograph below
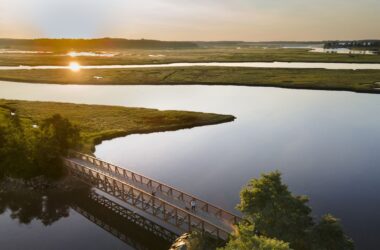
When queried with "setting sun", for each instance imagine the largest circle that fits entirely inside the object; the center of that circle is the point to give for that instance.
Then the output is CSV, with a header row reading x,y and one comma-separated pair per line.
x,y
74,66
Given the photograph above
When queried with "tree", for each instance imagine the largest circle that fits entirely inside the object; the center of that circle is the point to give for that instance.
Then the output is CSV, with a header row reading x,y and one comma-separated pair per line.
x,y
62,132
275,213
328,235
2,151
201,241
14,150
26,153
56,138
247,239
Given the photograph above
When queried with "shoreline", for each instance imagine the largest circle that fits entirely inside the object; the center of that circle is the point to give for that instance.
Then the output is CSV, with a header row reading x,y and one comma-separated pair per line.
x,y
261,85
99,140
360,81
171,61
117,121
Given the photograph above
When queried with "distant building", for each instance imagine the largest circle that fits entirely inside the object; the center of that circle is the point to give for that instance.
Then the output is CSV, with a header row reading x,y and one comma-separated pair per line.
x,y
373,44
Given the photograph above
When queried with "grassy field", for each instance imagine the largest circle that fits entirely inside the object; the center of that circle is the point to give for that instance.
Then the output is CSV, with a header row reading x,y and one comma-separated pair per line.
x,y
228,54
98,123
358,80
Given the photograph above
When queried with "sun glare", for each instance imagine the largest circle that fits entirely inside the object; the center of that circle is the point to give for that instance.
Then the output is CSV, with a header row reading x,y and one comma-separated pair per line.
x,y
74,66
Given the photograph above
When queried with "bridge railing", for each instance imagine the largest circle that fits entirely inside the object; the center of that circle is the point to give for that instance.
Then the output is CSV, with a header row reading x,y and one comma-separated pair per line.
x,y
164,189
181,218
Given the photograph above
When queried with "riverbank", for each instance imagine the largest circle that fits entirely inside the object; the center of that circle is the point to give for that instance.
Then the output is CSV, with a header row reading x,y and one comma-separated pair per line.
x,y
98,123
365,81
160,56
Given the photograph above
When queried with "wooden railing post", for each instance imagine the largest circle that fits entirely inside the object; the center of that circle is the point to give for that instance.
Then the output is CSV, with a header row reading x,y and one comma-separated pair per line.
x,y
206,207
164,210
189,219
176,217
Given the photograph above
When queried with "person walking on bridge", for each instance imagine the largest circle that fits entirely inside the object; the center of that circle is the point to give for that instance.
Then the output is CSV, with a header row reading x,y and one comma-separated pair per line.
x,y
193,205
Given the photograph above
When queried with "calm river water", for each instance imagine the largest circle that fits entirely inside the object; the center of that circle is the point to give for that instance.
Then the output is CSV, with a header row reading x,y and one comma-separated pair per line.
x,y
326,144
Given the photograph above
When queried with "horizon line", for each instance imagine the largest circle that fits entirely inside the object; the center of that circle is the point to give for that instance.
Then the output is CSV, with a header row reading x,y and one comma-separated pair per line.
x,y
210,41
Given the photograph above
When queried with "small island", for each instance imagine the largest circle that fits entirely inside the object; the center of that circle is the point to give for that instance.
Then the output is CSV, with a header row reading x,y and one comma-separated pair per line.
x,y
365,81
98,122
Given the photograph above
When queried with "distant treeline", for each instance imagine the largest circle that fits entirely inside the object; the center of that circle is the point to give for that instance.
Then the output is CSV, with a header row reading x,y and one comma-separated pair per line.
x,y
266,44
353,44
289,42
101,43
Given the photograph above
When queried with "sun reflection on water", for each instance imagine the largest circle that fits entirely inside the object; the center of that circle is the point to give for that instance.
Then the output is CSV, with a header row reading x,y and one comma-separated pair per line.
x,y
74,66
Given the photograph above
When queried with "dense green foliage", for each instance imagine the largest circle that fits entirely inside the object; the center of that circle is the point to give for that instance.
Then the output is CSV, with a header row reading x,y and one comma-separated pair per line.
x,y
275,213
198,240
30,152
248,239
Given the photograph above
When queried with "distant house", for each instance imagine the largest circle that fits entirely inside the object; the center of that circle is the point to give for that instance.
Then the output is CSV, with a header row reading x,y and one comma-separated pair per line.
x,y
374,44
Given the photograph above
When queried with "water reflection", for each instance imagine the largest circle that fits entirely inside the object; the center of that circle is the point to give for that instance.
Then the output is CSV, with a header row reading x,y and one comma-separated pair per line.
x,y
28,206
29,213
326,143
10,51
90,54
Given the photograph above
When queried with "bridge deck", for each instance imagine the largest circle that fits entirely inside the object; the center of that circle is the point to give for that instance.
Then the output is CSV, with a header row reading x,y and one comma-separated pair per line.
x,y
207,216
161,200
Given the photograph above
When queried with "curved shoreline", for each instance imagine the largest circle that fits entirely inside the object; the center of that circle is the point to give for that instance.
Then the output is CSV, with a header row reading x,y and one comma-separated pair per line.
x,y
132,120
99,140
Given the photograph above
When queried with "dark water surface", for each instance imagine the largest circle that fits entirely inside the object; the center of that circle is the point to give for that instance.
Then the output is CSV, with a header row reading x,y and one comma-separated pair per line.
x,y
326,144
67,220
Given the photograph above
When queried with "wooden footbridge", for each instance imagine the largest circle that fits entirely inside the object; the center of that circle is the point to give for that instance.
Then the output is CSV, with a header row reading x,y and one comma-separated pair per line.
x,y
159,200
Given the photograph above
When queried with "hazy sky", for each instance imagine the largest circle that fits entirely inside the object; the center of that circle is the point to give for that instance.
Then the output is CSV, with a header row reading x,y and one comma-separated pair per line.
x,y
253,20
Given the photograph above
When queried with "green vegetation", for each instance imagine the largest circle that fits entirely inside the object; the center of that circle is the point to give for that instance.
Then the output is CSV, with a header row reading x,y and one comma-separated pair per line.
x,y
27,153
352,80
274,217
97,122
359,80
157,56
34,135
248,239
